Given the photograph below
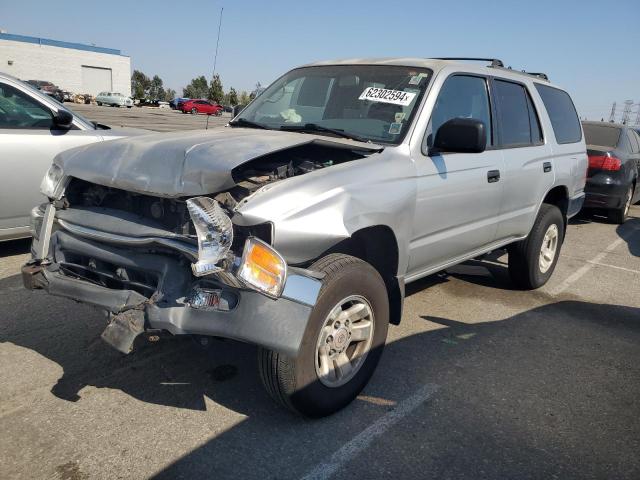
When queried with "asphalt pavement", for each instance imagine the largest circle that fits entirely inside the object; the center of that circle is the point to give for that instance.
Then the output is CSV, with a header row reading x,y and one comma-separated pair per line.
x,y
479,381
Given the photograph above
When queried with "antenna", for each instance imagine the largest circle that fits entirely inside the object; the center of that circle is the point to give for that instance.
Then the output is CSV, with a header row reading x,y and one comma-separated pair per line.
x,y
215,58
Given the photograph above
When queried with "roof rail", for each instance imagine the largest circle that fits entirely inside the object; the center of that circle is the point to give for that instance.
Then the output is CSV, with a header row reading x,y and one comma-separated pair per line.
x,y
541,75
494,61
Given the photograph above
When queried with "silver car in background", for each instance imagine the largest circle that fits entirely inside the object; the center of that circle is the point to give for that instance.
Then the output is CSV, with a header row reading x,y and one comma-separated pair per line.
x,y
114,99
34,128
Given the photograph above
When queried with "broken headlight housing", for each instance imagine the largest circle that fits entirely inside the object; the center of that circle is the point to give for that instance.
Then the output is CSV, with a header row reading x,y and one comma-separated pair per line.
x,y
214,231
54,182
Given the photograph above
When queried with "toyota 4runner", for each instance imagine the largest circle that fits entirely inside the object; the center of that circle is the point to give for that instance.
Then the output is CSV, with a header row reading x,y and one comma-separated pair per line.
x,y
297,226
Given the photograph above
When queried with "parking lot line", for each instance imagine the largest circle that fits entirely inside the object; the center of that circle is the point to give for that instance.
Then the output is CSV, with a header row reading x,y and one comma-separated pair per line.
x,y
578,274
361,442
600,264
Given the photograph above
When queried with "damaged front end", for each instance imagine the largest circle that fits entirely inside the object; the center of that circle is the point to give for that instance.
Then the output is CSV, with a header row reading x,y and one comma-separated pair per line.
x,y
173,264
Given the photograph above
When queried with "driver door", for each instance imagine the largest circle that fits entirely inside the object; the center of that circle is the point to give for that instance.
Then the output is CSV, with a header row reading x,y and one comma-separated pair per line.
x,y
458,194
29,140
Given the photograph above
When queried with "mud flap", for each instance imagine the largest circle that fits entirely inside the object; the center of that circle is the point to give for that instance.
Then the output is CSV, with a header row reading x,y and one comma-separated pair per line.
x,y
123,329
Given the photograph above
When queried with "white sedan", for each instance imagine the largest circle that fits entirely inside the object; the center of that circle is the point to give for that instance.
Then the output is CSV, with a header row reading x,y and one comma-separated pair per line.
x,y
114,99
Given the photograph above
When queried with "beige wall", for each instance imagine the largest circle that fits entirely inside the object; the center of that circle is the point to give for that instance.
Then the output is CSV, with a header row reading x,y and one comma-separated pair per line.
x,y
62,66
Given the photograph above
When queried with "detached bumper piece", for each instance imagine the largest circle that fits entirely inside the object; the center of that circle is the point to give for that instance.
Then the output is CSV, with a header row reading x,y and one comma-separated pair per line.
x,y
123,330
145,290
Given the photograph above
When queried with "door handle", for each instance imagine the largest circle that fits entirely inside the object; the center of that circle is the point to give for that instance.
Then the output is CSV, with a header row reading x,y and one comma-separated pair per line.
x,y
546,166
493,176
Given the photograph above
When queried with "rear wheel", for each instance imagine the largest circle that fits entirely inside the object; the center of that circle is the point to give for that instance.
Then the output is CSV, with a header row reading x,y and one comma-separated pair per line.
x,y
619,215
99,104
342,345
532,260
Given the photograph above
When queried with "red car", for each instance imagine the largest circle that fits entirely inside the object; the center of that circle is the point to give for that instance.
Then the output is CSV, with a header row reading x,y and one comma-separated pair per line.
x,y
201,106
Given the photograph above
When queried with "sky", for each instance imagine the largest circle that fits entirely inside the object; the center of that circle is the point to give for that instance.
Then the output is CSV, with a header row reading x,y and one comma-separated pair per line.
x,y
589,47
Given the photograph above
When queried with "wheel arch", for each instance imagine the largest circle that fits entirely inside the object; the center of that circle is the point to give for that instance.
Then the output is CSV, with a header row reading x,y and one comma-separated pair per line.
x,y
558,196
378,246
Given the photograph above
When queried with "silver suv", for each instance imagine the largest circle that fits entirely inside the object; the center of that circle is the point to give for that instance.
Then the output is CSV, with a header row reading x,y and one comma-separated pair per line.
x,y
297,226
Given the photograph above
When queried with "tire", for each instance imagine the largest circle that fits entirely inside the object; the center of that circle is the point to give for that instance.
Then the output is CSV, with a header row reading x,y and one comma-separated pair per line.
x,y
529,268
296,383
619,215
194,111
129,106
99,104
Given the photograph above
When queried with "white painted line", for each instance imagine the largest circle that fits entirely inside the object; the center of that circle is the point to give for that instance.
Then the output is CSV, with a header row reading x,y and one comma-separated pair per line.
x,y
578,274
361,442
631,270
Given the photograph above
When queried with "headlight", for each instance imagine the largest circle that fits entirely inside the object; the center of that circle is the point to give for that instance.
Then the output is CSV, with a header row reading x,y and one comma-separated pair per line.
x,y
215,234
53,183
262,267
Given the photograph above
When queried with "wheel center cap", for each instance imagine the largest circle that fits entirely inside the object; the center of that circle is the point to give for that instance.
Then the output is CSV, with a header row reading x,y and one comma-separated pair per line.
x,y
341,339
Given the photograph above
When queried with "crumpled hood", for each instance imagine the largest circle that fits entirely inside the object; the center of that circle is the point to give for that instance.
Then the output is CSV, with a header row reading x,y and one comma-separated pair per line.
x,y
183,163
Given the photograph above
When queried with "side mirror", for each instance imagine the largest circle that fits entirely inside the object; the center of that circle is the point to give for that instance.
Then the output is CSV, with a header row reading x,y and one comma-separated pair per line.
x,y
63,119
461,135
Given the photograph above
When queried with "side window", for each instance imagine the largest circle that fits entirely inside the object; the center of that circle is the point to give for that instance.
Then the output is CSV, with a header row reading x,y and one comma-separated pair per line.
x,y
562,113
633,140
20,111
514,115
461,96
536,130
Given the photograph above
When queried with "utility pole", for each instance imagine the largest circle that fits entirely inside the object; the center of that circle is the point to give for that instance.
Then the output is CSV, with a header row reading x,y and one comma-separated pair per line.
x,y
215,58
612,117
626,113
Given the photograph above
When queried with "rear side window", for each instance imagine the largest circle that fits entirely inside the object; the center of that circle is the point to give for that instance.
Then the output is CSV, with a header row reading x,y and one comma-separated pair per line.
x,y
519,125
602,135
562,113
633,140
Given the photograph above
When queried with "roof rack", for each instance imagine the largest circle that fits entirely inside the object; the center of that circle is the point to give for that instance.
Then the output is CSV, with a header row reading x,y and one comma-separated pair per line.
x,y
494,61
541,75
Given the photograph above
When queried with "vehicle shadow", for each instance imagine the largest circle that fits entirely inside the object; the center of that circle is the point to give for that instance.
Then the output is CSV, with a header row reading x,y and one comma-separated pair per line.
x,y
550,391
630,232
15,247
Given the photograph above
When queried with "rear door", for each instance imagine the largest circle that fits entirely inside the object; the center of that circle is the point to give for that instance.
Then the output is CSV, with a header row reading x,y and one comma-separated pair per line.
x,y
458,194
564,134
528,160
28,142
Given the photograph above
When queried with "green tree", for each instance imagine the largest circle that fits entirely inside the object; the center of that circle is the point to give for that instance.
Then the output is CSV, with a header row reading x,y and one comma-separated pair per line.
x,y
244,98
140,84
169,94
156,90
216,92
198,88
232,97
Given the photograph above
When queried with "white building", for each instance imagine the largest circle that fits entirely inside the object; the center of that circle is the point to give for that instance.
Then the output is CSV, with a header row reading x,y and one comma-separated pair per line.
x,y
75,67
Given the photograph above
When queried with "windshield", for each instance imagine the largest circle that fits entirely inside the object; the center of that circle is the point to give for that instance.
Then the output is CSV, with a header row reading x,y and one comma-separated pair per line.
x,y
369,102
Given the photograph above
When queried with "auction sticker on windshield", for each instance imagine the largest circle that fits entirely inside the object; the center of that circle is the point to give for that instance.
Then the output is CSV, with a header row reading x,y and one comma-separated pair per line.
x,y
383,95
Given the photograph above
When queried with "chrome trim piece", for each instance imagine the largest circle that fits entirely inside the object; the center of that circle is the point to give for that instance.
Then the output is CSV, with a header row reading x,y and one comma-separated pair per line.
x,y
41,246
188,250
302,289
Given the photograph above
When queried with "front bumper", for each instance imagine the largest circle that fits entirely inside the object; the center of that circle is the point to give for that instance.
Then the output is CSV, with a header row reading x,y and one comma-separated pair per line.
x,y
156,286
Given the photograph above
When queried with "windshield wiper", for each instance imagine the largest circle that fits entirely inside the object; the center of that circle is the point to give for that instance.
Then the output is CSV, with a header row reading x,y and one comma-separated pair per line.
x,y
243,122
314,127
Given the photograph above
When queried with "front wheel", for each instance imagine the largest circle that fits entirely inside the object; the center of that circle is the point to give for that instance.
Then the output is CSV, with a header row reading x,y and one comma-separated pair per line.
x,y
533,260
99,104
342,345
194,111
